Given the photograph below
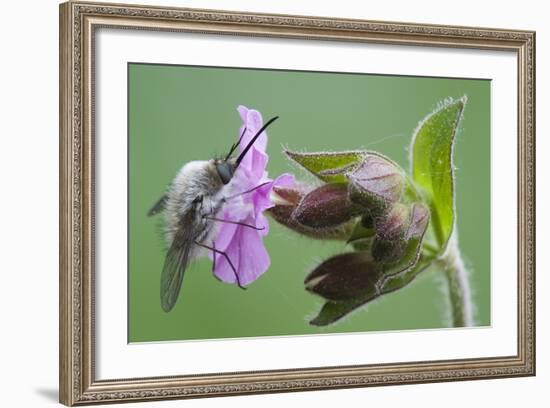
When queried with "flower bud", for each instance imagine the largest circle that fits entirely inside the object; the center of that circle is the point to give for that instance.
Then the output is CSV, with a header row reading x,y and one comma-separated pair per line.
x,y
391,227
289,196
420,215
387,251
394,224
326,206
287,199
396,228
376,183
346,276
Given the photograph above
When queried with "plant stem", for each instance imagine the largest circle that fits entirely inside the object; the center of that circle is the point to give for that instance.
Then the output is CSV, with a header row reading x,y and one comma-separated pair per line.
x,y
458,285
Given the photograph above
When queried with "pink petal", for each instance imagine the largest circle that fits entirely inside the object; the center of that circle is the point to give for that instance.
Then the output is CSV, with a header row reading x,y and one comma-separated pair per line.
x,y
254,260
247,254
256,159
254,122
222,269
284,180
262,199
247,160
262,223
242,244
258,163
243,111
237,208
225,235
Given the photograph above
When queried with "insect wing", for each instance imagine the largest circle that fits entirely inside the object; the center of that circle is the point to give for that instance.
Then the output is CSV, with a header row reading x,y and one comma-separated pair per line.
x,y
177,259
158,207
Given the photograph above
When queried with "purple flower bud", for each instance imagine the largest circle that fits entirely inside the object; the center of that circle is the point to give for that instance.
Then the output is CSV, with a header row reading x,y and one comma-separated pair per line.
x,y
391,227
286,201
387,251
420,215
396,228
376,183
394,224
394,248
326,206
346,276
290,196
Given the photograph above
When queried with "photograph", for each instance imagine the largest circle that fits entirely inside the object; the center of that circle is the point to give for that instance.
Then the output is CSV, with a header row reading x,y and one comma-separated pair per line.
x,y
274,203
281,202
255,202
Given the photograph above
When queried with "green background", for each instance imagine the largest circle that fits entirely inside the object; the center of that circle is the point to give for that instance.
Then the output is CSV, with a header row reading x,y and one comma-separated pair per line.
x,y
181,113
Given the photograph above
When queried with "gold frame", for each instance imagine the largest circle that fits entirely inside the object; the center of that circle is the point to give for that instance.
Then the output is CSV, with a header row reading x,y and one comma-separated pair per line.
x,y
78,22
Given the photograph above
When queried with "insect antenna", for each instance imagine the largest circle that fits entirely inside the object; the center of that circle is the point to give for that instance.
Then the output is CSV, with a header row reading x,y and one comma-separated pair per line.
x,y
235,145
249,145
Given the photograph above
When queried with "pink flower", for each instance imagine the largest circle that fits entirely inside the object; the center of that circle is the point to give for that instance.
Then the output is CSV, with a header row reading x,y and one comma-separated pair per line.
x,y
249,197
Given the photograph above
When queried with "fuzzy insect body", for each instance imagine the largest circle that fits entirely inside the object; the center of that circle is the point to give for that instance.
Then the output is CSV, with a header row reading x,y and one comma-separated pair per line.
x,y
196,193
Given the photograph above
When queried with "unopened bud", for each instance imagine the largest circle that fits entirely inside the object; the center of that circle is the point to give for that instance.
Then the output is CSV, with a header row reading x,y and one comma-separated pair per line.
x,y
387,251
396,228
420,216
326,206
376,183
289,195
346,276
394,224
287,199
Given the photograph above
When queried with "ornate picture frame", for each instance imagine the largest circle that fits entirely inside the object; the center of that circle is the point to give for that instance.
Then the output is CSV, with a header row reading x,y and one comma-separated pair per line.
x,y
79,22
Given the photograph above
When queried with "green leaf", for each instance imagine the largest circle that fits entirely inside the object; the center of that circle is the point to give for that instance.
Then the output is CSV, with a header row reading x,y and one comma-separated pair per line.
x,y
333,311
432,164
330,167
403,279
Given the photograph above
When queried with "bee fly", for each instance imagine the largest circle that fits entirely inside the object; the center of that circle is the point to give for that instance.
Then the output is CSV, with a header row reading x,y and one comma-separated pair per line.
x,y
190,205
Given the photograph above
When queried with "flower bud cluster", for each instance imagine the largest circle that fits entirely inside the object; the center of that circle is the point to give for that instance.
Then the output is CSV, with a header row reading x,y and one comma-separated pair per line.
x,y
367,208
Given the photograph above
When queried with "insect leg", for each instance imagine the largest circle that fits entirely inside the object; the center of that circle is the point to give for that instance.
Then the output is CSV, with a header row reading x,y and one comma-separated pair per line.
x,y
213,256
246,192
217,251
234,222
214,263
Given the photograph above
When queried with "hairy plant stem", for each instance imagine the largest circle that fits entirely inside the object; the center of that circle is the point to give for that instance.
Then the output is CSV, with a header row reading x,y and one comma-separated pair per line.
x,y
458,285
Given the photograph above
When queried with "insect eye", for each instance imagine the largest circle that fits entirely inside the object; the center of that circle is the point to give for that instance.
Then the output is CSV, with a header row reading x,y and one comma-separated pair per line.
x,y
225,171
